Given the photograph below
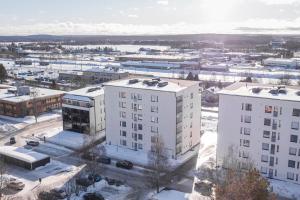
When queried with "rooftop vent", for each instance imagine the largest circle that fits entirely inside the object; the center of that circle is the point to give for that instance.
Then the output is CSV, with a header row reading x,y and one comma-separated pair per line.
x,y
150,83
133,81
256,90
93,89
162,84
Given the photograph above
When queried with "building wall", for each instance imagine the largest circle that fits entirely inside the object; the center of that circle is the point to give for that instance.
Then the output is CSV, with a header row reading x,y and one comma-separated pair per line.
x,y
162,123
231,134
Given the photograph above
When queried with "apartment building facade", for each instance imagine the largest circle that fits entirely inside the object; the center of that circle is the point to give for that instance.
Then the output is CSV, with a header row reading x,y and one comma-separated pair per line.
x,y
259,125
83,110
141,111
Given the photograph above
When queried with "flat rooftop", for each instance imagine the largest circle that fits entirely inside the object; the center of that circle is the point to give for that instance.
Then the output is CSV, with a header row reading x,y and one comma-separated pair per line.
x,y
174,85
277,92
160,56
92,91
5,95
21,153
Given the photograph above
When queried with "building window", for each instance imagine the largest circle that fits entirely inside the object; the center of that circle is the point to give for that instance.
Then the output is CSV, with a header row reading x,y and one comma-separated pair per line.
x,y
296,112
154,98
248,107
266,134
291,163
246,143
140,127
140,146
290,176
294,138
191,105
122,95
295,125
123,114
140,136
247,119
264,158
154,109
268,109
265,146
153,139
154,119
292,151
267,122
191,115
245,154
154,129
123,133
247,131
123,123
122,104
123,142
140,117
264,170
192,95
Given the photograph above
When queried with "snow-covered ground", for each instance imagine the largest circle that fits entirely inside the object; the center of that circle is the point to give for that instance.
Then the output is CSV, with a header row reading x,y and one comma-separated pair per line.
x,y
7,127
109,192
176,195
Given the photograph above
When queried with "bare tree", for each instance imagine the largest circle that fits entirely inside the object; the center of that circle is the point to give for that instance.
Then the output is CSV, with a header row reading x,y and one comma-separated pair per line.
x,y
70,188
3,179
34,94
158,159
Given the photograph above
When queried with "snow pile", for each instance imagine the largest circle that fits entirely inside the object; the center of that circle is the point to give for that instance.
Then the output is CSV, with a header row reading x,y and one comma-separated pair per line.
x,y
6,127
285,189
109,192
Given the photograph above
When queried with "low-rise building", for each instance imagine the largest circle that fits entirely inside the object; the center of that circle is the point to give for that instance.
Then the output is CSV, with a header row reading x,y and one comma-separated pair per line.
x,y
83,110
140,111
259,126
23,101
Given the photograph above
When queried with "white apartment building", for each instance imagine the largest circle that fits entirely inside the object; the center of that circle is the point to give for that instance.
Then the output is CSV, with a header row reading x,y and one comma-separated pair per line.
x,y
260,123
83,110
138,111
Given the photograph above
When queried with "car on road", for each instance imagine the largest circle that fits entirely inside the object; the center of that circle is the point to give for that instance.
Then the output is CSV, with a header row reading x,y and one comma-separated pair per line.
x,y
93,196
12,140
90,156
124,164
32,143
110,181
16,185
84,182
104,160
59,193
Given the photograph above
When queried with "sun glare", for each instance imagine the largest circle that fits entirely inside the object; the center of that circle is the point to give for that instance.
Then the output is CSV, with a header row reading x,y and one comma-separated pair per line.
x,y
217,10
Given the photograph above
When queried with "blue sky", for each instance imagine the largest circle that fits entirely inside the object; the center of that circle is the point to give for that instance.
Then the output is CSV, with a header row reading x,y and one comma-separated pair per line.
x,y
23,17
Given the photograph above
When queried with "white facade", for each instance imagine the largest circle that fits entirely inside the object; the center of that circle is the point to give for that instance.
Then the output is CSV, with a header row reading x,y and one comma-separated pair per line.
x,y
280,62
260,124
84,110
138,113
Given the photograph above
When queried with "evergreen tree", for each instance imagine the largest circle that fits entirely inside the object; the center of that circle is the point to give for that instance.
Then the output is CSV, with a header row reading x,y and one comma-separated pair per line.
x,y
3,73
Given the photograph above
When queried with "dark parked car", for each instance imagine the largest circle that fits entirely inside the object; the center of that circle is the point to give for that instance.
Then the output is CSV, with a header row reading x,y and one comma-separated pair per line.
x,y
94,177
124,164
12,140
32,143
59,193
84,182
104,159
93,196
110,181
89,156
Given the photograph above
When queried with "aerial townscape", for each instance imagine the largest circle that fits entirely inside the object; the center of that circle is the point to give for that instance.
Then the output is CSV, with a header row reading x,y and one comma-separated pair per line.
x,y
136,106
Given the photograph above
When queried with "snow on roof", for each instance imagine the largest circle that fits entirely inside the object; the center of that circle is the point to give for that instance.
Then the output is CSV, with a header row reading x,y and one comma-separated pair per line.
x,y
22,154
41,92
85,94
174,85
290,93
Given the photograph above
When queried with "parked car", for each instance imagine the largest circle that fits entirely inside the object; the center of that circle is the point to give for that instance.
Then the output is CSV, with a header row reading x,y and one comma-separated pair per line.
x,y
84,182
94,177
59,193
16,185
89,156
93,196
12,140
124,164
33,143
104,160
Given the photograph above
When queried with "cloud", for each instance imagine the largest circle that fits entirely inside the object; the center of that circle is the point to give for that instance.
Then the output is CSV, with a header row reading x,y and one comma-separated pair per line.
x,y
279,2
163,2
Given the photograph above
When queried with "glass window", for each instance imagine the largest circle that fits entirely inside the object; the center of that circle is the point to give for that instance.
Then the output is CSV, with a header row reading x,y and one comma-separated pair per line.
x,y
294,138
292,151
248,107
140,146
268,109
290,176
264,170
154,129
247,119
264,158
154,98
140,127
122,94
265,146
291,163
140,136
247,131
295,125
267,122
246,143
154,109
296,112
266,134
154,119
